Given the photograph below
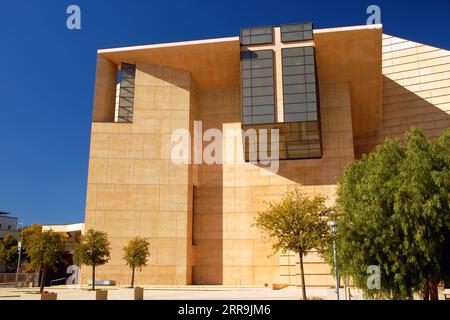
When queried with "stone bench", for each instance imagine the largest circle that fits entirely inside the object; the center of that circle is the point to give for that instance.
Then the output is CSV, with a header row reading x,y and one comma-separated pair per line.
x,y
446,294
103,282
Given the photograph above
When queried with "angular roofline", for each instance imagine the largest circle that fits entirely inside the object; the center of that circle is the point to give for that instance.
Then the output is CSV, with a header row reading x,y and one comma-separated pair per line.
x,y
169,44
351,28
65,227
226,39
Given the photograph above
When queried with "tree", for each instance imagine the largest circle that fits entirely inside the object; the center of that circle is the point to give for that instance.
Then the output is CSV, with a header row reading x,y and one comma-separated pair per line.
x,y
135,255
44,249
27,232
9,253
296,223
394,207
94,250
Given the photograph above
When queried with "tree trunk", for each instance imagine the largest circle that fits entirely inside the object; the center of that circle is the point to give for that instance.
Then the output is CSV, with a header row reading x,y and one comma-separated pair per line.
x,y
426,293
41,287
302,276
433,289
132,277
93,277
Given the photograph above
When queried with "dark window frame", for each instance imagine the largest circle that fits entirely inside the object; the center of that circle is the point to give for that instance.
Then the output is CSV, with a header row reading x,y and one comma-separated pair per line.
x,y
126,93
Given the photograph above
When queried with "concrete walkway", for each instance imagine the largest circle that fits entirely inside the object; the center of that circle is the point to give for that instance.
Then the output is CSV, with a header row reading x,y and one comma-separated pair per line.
x,y
179,293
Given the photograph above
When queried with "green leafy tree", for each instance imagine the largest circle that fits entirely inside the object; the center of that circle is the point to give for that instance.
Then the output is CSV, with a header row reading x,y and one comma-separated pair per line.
x,y
394,207
44,250
296,223
135,255
27,232
94,250
9,253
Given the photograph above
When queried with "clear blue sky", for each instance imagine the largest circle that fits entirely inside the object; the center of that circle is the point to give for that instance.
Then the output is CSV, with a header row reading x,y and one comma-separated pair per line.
x,y
47,80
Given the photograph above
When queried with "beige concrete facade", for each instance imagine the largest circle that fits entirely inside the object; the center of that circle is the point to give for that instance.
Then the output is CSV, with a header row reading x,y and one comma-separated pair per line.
x,y
198,217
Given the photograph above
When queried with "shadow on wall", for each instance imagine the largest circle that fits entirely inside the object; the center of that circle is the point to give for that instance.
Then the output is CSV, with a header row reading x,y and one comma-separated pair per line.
x,y
403,109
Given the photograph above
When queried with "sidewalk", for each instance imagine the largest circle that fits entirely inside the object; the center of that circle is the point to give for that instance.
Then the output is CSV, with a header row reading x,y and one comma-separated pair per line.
x,y
179,293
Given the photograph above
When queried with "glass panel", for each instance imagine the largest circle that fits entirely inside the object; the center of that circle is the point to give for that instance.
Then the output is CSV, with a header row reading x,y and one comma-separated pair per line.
x,y
245,32
293,98
294,79
261,30
127,83
293,70
294,61
262,63
311,106
257,73
257,87
310,78
126,102
299,99
307,26
246,74
263,119
297,107
261,39
246,120
267,110
262,91
295,117
297,140
292,27
247,102
292,36
260,82
309,69
309,59
309,50
307,35
311,87
292,52
247,92
311,97
246,65
297,32
264,100
246,40
296,88
246,83
257,35
126,93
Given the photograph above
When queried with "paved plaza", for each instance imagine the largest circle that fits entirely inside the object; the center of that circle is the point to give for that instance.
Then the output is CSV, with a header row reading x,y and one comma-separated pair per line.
x,y
179,293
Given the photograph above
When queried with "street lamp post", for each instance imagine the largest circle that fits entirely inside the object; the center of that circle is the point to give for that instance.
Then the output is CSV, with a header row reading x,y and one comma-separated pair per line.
x,y
333,229
20,253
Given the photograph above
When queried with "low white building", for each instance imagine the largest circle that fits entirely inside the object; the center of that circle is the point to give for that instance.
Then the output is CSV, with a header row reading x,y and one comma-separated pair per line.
x,y
70,233
8,225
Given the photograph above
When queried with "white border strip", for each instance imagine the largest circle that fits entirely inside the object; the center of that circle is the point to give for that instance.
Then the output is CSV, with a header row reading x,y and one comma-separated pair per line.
x,y
169,44
363,27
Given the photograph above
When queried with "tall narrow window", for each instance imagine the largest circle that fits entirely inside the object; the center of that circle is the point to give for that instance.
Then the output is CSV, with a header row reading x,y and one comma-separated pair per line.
x,y
299,84
126,96
258,103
